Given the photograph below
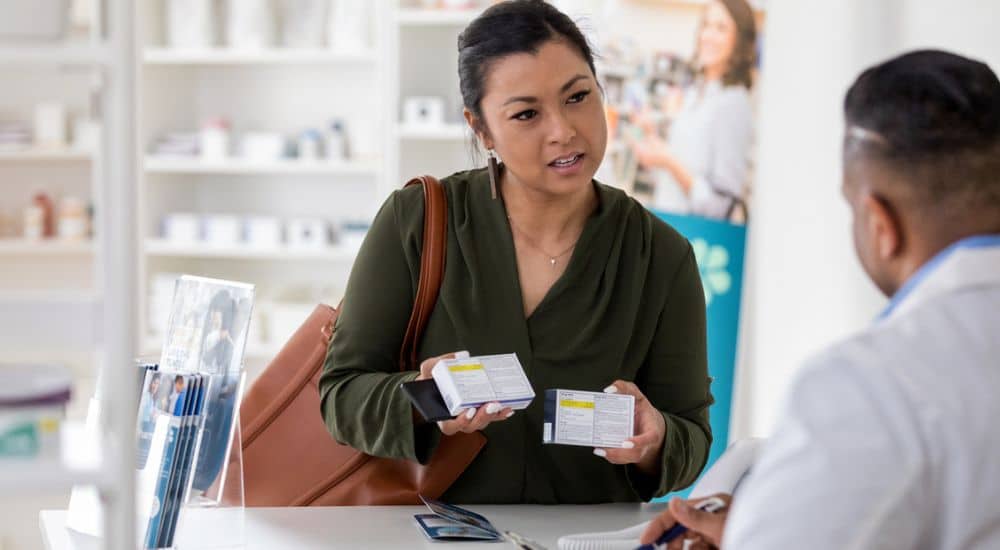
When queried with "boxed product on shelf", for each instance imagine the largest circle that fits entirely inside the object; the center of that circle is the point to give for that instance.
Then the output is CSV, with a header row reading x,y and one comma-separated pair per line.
x,y
32,406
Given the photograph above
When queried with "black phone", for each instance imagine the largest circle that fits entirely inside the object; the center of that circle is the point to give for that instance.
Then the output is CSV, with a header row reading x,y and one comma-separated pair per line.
x,y
427,399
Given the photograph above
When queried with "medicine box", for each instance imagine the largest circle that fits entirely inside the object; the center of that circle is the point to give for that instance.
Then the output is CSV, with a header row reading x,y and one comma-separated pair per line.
x,y
467,382
586,418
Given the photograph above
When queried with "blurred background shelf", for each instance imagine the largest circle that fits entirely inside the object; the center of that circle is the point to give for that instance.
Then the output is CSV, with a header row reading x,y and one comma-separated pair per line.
x,y
449,132
49,296
160,247
275,56
435,17
48,247
54,54
45,155
79,464
168,165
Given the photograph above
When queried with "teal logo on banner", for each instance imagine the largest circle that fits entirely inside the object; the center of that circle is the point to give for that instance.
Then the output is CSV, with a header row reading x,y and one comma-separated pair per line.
x,y
719,249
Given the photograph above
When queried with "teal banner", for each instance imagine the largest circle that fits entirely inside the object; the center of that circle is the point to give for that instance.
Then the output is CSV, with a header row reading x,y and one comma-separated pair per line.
x,y
719,248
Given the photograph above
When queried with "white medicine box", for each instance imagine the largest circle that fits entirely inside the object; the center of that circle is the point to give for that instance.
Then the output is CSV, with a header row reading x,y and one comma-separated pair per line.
x,y
467,382
590,419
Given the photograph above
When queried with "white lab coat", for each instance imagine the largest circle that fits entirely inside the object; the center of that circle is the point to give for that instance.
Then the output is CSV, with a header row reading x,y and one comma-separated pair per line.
x,y
891,439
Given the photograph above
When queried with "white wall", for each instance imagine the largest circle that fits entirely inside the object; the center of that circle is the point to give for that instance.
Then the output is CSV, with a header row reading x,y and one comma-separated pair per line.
x,y
805,289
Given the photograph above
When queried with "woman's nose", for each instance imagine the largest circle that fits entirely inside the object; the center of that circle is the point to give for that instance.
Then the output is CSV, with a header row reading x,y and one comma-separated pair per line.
x,y
561,130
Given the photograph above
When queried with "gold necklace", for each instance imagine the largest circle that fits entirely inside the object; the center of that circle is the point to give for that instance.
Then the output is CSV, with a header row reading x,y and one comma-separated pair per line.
x,y
552,257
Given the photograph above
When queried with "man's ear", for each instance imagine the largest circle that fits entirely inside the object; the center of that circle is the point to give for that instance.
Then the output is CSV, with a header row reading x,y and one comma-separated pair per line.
x,y
477,127
883,225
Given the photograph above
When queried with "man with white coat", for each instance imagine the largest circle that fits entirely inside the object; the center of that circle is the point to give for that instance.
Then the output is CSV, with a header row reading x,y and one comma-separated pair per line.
x,y
891,439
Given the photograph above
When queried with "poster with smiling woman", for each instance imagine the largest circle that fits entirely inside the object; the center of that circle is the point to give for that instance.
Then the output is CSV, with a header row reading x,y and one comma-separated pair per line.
x,y
680,79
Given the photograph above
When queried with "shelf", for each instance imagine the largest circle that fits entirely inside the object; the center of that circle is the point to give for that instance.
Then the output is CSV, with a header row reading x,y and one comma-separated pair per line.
x,y
174,165
160,247
436,17
220,56
55,54
449,132
46,155
757,5
153,345
78,465
39,296
48,247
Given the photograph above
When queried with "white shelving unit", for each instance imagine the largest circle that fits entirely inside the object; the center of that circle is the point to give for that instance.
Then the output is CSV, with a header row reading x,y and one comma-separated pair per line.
x,y
45,283
162,248
155,165
48,247
448,132
45,155
54,54
415,17
274,89
222,56
419,38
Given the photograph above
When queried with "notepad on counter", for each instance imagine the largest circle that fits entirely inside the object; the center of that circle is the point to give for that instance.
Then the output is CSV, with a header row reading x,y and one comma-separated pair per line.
x,y
591,419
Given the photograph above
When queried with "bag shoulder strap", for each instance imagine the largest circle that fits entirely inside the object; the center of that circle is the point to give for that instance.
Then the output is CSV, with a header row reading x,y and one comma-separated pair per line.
x,y
431,267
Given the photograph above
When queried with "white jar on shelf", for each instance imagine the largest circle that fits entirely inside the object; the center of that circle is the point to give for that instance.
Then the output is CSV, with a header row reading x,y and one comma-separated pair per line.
x,y
250,24
190,24
337,144
74,223
349,26
310,145
50,125
223,230
215,139
302,22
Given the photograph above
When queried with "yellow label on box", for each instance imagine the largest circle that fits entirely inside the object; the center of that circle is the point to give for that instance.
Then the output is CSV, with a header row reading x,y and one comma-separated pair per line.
x,y
576,404
462,368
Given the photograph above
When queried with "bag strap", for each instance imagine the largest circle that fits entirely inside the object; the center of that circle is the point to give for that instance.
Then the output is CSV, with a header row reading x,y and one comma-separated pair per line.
x,y
431,267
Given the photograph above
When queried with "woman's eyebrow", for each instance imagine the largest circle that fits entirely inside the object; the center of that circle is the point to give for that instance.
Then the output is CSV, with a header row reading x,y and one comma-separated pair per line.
x,y
532,99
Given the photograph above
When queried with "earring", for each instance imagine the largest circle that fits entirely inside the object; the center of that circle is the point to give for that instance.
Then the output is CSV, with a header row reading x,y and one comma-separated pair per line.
x,y
494,171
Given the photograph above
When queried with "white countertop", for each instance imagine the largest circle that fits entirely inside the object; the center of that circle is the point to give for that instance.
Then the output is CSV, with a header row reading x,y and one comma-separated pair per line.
x,y
367,527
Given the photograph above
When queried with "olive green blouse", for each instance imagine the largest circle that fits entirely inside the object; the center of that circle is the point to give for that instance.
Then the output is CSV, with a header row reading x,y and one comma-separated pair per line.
x,y
629,306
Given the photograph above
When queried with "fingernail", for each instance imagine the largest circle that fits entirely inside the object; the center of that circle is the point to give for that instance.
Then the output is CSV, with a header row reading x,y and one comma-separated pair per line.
x,y
461,354
510,414
493,408
601,453
470,414
628,445
611,389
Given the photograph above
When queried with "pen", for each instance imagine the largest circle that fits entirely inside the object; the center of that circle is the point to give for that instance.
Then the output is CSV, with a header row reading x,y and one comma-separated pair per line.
x,y
713,504
522,542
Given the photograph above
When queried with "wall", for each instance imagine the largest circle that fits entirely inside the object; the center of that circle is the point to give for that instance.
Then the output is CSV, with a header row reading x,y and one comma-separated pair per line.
x,y
805,289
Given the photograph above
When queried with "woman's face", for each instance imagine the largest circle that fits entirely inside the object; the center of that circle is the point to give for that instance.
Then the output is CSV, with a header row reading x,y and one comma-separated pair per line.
x,y
545,119
717,39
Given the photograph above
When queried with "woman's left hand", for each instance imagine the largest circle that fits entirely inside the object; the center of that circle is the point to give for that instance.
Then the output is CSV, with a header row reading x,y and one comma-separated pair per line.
x,y
644,448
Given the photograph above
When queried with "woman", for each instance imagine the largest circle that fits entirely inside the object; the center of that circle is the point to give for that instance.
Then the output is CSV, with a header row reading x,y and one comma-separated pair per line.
x,y
565,272
707,155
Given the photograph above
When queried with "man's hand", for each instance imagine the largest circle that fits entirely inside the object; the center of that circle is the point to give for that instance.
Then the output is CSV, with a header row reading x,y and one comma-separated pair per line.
x,y
704,528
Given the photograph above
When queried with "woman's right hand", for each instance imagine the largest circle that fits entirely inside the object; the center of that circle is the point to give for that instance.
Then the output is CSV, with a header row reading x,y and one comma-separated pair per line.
x,y
469,420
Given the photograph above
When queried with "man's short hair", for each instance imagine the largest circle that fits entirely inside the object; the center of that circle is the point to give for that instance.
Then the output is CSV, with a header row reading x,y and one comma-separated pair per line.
x,y
934,118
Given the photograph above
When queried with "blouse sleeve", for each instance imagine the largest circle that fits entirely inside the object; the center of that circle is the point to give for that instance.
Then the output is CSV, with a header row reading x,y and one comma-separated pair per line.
x,y
361,402
674,377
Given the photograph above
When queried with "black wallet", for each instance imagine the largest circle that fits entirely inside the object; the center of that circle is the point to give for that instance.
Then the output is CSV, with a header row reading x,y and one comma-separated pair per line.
x,y
427,399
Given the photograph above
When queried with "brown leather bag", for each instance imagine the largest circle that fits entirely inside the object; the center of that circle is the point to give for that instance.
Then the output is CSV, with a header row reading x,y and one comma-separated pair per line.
x,y
289,457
